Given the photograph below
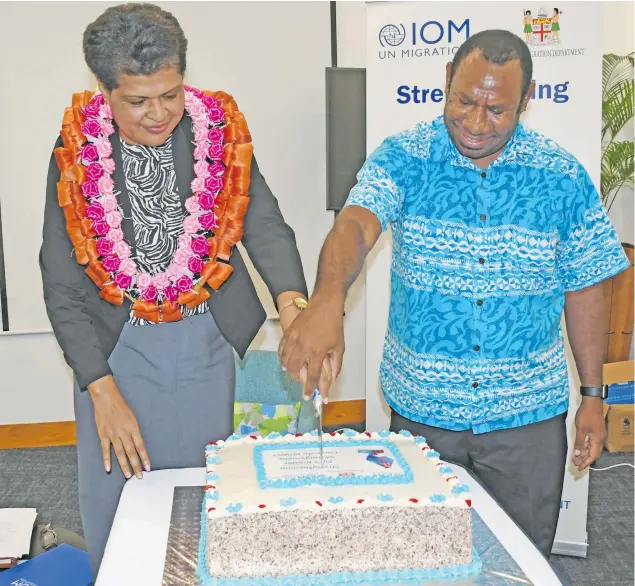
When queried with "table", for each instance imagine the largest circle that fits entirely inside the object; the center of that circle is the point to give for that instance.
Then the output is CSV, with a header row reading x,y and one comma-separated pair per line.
x,y
135,553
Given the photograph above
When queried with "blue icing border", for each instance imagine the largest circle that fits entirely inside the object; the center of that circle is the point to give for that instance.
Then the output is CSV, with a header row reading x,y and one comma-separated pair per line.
x,y
322,480
350,578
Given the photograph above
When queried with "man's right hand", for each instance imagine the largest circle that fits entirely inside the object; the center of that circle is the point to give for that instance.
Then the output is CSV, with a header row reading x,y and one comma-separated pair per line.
x,y
117,426
316,335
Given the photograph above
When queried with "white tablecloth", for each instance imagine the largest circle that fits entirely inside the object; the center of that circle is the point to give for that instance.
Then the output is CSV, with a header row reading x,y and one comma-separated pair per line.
x,y
136,548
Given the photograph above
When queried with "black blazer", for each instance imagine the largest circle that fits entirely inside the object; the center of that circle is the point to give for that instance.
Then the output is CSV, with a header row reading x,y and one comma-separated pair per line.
x,y
87,327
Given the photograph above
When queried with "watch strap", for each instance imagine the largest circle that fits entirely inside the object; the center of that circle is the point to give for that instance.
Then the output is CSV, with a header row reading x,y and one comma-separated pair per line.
x,y
601,392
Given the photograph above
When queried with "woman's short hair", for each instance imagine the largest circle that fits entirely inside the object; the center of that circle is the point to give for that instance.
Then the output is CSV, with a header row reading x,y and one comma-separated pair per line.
x,y
133,39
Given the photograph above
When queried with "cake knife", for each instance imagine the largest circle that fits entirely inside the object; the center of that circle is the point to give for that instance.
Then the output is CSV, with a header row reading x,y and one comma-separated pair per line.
x,y
318,404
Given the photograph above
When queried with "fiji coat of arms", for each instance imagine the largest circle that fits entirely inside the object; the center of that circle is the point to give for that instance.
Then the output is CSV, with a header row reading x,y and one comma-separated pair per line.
x,y
542,28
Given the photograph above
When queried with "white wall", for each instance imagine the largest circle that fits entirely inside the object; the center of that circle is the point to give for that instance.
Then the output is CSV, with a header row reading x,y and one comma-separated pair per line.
x,y
35,383
618,27
270,55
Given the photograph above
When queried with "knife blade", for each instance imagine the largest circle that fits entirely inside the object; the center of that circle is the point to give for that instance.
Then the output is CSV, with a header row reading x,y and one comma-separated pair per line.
x,y
318,404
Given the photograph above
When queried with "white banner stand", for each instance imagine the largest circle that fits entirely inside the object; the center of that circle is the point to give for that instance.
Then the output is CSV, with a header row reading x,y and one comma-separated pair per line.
x,y
408,46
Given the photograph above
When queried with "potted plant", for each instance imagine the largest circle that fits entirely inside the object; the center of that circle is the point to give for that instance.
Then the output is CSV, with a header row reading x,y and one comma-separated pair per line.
x,y
617,172
617,113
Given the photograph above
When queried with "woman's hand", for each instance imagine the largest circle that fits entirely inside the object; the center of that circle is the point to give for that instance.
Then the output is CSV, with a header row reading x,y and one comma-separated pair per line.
x,y
287,315
117,426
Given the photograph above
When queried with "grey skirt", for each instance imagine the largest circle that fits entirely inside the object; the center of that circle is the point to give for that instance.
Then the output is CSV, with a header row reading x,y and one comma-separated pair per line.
x,y
178,379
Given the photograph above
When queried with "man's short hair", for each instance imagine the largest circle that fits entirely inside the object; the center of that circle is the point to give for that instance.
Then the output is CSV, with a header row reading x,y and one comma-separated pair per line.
x,y
500,47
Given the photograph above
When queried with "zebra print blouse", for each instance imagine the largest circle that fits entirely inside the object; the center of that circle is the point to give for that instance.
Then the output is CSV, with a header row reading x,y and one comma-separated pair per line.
x,y
157,214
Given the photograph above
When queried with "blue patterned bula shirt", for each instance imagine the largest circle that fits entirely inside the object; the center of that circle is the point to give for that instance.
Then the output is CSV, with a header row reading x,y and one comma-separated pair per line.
x,y
481,263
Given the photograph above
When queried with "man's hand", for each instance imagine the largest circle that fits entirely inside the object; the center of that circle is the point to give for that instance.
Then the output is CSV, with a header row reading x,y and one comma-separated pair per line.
x,y
324,384
590,432
586,327
117,425
287,317
315,336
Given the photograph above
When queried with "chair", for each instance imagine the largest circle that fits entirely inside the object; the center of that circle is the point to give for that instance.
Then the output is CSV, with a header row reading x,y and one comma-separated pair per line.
x,y
264,389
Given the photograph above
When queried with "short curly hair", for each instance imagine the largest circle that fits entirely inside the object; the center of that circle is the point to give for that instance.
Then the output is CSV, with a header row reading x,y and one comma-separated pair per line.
x,y
133,39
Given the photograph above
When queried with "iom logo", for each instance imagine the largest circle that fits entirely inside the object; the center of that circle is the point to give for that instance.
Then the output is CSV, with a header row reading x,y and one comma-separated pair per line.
x,y
433,32
429,39
392,35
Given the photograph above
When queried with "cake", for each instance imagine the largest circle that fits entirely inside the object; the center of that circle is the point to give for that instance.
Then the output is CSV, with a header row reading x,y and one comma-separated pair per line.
x,y
372,508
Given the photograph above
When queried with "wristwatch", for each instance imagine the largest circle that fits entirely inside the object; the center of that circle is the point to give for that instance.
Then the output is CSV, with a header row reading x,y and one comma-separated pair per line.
x,y
601,392
299,302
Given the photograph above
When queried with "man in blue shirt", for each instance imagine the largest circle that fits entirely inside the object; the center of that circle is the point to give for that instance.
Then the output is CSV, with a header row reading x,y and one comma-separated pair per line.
x,y
496,230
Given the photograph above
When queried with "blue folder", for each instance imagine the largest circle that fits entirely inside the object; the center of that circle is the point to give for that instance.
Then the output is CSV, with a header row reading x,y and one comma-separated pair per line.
x,y
63,565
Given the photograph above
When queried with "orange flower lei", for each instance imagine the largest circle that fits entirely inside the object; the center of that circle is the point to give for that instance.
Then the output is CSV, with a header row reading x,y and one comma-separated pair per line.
x,y
230,206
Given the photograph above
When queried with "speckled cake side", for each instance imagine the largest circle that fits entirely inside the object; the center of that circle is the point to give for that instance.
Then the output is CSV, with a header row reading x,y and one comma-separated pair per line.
x,y
306,542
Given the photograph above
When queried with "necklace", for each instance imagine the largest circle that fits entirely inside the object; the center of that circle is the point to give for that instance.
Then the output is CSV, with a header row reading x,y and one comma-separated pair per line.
x,y
213,222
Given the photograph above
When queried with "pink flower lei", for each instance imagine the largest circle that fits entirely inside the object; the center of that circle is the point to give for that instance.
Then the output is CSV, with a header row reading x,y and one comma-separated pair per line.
x,y
105,213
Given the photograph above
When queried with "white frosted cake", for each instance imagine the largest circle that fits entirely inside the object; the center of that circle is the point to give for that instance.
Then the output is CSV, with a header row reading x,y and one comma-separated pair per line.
x,y
375,507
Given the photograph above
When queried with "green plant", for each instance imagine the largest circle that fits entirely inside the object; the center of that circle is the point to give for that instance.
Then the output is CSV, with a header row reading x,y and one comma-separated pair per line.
x,y
617,112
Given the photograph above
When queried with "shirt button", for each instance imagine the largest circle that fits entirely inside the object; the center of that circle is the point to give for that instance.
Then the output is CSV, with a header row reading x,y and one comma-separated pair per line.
x,y
483,174
477,348
483,217
479,302
481,261
475,385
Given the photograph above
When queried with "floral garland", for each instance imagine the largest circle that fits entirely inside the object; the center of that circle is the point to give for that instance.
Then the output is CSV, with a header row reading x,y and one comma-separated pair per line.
x,y
213,223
